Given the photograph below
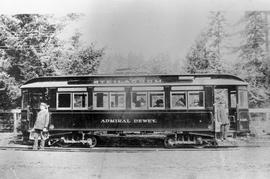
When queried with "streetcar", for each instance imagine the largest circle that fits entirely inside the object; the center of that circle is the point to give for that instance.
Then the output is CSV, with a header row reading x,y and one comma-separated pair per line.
x,y
180,109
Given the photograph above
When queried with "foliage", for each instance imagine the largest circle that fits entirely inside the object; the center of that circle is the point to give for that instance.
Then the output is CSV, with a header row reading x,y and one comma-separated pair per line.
x,y
24,39
197,58
205,55
252,65
30,47
83,61
9,91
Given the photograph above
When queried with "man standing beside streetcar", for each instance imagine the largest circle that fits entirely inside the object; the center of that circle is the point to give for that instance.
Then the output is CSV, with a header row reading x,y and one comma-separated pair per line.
x,y
41,126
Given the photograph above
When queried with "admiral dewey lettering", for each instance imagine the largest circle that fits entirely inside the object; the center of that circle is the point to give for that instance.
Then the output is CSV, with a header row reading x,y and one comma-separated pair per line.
x,y
129,121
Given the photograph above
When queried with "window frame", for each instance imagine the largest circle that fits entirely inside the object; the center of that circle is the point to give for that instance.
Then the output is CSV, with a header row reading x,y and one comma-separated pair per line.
x,y
245,102
149,103
137,108
110,97
25,99
233,99
64,108
101,108
86,101
200,107
178,92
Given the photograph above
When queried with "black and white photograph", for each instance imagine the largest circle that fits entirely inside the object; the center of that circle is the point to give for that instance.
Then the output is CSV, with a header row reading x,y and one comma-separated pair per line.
x,y
134,89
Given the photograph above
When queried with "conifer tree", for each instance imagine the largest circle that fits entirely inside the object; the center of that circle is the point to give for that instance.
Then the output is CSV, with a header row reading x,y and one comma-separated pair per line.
x,y
206,55
252,53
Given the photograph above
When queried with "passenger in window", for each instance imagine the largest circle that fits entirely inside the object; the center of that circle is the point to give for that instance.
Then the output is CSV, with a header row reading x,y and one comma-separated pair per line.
x,y
195,101
78,102
159,103
180,102
140,103
112,104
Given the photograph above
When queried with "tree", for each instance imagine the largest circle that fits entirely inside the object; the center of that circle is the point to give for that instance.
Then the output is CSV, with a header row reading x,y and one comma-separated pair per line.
x,y
24,39
75,58
206,55
30,47
9,91
252,54
197,57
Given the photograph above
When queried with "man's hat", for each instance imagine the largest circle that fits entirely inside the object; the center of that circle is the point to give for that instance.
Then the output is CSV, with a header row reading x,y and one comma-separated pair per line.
x,y
44,104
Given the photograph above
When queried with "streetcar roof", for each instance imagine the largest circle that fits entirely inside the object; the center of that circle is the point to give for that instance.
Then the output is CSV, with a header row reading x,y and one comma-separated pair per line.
x,y
130,80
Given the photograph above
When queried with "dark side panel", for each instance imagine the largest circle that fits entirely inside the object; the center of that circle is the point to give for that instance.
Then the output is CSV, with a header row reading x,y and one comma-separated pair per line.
x,y
140,121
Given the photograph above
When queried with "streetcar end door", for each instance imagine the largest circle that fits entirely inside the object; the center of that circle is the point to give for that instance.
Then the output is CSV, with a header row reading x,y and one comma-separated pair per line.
x,y
242,109
227,95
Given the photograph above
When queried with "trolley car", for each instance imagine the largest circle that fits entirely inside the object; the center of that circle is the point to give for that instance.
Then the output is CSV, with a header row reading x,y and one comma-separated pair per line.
x,y
178,108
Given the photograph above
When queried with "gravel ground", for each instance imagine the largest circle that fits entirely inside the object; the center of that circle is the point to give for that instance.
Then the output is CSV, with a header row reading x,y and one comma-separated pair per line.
x,y
6,138
226,163
252,160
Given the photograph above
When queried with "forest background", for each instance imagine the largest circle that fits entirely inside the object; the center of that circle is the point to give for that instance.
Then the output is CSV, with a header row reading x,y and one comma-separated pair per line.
x,y
31,46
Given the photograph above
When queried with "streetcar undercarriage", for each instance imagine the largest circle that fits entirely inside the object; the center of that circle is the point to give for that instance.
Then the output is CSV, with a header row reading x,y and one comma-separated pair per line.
x,y
170,140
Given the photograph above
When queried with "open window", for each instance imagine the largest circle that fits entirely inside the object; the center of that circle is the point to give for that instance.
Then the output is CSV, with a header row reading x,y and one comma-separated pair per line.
x,y
117,100
156,100
64,100
196,99
178,100
80,100
25,99
233,99
139,100
101,100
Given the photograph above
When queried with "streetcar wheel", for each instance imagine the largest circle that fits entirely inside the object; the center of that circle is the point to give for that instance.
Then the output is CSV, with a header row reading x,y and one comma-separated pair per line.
x,y
198,146
58,143
63,145
168,142
91,141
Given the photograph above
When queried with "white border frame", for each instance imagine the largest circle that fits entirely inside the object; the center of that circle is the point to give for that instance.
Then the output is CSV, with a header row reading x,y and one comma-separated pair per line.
x,y
101,108
144,92
203,107
64,108
117,108
178,92
149,103
86,101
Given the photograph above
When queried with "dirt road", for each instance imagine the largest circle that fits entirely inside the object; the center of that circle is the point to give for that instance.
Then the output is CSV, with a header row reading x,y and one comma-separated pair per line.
x,y
227,163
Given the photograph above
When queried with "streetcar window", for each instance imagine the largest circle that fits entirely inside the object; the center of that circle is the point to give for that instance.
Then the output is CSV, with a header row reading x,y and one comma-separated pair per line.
x,y
80,101
101,100
139,100
233,100
25,99
117,100
36,100
64,100
196,99
156,100
243,99
178,100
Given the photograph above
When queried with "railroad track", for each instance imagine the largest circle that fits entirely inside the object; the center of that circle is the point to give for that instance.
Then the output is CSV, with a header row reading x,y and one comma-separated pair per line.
x,y
115,149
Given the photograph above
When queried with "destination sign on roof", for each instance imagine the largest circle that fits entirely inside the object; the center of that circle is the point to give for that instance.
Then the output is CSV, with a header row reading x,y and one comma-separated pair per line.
x,y
127,80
